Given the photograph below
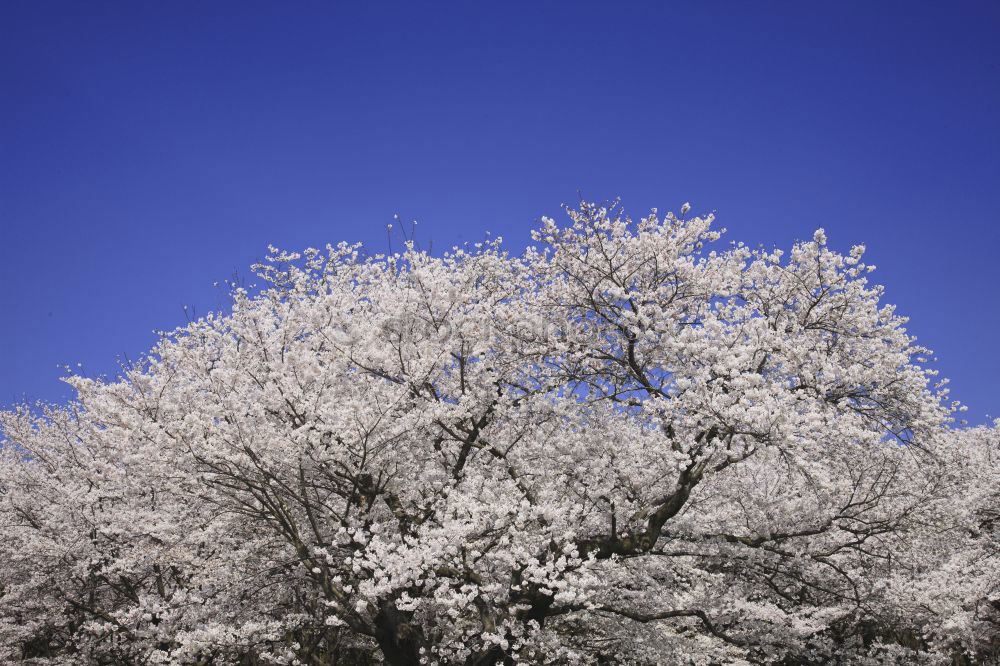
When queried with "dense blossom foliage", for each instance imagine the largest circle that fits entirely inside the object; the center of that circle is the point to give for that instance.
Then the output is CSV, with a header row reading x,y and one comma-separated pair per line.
x,y
620,447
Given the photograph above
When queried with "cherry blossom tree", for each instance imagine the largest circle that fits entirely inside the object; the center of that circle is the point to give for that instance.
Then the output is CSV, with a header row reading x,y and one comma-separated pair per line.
x,y
620,447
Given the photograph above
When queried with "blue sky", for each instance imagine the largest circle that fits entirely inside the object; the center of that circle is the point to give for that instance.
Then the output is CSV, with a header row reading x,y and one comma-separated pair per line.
x,y
149,150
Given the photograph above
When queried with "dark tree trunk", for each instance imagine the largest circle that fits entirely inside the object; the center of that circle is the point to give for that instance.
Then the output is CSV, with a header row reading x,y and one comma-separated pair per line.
x,y
397,638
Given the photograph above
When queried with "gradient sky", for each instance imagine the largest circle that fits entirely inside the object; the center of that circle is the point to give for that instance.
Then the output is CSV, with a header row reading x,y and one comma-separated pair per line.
x,y
151,149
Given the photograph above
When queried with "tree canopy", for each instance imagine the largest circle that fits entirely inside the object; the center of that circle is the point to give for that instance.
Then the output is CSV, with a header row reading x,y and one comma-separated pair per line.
x,y
631,444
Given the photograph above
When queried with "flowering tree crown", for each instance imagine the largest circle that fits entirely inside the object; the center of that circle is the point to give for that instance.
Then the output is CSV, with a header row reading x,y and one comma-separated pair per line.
x,y
620,447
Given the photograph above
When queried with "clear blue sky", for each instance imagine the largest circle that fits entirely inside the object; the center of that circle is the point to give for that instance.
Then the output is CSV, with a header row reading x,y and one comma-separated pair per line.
x,y
150,149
